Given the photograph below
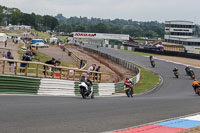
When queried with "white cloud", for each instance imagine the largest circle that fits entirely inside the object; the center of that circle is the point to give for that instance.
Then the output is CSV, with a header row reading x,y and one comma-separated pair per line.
x,y
144,10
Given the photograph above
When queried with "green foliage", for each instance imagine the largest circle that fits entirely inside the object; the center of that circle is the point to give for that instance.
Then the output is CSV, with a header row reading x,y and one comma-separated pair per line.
x,y
151,29
15,16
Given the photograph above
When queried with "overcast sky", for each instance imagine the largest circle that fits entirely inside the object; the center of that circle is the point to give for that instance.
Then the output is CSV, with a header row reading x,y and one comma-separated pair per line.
x,y
139,10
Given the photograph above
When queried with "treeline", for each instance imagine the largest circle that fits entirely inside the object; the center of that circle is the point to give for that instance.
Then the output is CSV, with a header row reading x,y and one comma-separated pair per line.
x,y
151,29
15,17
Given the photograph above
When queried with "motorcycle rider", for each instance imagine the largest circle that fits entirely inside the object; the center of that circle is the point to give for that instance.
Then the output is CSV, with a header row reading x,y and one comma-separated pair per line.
x,y
195,84
151,58
175,70
85,78
128,83
187,69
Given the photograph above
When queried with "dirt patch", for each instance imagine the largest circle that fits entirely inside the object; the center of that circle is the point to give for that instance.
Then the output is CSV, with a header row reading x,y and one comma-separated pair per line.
x,y
56,52
112,72
188,61
193,130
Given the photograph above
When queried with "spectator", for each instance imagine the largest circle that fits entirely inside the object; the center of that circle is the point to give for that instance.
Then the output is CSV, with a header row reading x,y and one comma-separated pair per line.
x,y
49,62
94,66
8,54
11,64
4,55
98,69
57,63
25,57
6,43
91,68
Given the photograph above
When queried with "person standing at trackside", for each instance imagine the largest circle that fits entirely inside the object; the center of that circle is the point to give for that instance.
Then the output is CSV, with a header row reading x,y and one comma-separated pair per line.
x,y
57,63
97,70
8,54
11,64
195,84
91,68
6,43
4,55
49,62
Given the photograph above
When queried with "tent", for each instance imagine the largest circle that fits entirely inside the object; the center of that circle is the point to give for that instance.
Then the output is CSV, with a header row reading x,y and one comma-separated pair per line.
x,y
53,40
3,37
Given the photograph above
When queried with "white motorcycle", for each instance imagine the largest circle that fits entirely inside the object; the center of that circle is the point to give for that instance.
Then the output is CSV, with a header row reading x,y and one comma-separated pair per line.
x,y
85,92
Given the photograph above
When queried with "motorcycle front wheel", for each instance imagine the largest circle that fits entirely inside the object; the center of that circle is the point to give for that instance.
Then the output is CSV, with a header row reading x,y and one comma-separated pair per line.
x,y
82,91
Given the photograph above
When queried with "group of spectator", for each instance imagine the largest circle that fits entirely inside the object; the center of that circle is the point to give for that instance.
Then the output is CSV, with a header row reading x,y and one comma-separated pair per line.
x,y
53,62
93,68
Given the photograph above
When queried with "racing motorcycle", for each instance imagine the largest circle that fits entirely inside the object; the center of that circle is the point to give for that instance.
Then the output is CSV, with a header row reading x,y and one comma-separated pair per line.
x,y
153,63
176,74
85,92
198,90
128,90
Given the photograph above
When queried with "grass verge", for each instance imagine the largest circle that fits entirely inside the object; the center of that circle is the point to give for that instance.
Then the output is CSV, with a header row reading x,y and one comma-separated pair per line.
x,y
147,82
148,78
139,53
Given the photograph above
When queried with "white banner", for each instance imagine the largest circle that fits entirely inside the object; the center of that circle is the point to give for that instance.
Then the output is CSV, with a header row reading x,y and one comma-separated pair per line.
x,y
100,36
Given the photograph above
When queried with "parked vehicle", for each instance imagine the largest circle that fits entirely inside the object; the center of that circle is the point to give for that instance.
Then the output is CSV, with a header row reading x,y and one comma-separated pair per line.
x,y
40,45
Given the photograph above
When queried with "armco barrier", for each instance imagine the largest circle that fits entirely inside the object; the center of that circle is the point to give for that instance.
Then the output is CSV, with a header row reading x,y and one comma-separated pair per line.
x,y
19,84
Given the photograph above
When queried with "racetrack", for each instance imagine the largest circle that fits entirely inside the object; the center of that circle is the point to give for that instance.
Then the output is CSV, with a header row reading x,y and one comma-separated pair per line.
x,y
22,114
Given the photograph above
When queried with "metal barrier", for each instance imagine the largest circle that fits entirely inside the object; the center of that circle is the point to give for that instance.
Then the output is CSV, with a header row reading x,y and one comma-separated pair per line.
x,y
37,69
82,63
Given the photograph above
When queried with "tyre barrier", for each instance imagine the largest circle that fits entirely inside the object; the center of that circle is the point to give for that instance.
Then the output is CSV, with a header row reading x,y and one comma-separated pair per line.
x,y
19,84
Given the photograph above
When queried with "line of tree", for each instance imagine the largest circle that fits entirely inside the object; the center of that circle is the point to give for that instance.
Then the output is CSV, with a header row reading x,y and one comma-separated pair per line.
x,y
15,17
151,29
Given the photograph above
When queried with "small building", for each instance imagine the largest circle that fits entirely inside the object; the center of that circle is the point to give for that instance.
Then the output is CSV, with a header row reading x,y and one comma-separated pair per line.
x,y
53,40
181,32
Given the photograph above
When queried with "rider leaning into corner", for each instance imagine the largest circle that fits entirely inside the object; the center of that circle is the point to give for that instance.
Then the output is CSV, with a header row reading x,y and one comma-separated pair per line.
x,y
85,78
195,84
151,58
175,69
129,83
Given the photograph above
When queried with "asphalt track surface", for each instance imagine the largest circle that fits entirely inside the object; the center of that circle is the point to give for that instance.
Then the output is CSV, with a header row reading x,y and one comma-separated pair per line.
x,y
36,114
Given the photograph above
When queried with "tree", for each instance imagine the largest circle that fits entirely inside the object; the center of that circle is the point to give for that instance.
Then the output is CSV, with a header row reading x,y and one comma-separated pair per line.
x,y
101,28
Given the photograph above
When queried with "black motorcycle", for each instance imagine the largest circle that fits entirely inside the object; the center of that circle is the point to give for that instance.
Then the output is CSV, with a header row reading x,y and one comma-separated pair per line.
x,y
176,74
152,63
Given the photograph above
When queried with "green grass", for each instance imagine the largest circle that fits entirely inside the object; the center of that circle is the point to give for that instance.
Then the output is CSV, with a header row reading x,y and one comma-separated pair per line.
x,y
140,53
147,82
41,35
148,78
62,38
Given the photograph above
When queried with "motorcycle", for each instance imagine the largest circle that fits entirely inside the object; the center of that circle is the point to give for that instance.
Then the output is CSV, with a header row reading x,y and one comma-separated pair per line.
x,y
198,90
192,75
128,90
85,92
153,63
176,74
